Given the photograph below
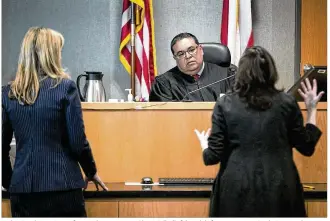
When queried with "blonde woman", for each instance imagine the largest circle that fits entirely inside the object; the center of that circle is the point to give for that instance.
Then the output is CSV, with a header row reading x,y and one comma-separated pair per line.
x,y
42,107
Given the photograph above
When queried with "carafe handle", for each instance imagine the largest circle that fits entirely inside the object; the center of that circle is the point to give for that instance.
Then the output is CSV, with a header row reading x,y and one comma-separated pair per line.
x,y
78,85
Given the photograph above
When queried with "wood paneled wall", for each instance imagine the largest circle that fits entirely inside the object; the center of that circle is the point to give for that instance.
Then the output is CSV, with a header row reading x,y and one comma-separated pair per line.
x,y
314,169
314,32
130,144
157,208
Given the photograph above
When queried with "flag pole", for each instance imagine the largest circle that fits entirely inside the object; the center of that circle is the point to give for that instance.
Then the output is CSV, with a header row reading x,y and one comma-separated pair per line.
x,y
133,49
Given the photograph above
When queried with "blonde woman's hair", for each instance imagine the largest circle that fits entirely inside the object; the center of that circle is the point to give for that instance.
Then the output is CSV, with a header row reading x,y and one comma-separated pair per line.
x,y
40,58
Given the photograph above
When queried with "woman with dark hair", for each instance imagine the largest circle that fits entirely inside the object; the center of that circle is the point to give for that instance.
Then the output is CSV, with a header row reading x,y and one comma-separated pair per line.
x,y
253,132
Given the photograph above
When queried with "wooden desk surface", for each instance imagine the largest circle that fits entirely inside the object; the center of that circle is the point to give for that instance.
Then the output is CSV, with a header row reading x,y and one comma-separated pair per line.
x,y
121,191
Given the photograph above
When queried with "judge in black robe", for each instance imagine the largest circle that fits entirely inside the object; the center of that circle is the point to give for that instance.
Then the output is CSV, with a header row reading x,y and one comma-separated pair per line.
x,y
182,83
174,85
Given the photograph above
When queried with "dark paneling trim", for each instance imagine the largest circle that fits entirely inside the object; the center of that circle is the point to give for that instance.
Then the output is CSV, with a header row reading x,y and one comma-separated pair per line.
x,y
297,42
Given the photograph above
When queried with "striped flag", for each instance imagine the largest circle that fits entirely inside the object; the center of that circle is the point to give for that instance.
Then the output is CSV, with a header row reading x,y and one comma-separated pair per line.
x,y
236,27
145,51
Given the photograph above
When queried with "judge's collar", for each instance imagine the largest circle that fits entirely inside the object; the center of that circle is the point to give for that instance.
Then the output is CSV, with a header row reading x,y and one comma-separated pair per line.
x,y
201,70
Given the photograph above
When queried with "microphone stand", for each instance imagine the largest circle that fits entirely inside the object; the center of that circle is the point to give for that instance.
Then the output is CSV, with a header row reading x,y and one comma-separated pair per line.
x,y
184,98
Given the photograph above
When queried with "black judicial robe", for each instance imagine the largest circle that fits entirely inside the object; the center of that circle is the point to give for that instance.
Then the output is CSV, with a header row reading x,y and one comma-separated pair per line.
x,y
175,85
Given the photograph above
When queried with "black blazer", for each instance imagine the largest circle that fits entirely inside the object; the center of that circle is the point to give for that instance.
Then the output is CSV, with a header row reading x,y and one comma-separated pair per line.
x,y
258,176
50,140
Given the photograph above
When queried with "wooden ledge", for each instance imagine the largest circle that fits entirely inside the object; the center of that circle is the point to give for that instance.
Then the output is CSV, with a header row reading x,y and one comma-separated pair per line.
x,y
149,105
165,106
320,106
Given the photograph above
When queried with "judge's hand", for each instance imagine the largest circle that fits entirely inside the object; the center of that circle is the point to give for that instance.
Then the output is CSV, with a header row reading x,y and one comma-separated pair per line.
x,y
203,136
97,181
309,94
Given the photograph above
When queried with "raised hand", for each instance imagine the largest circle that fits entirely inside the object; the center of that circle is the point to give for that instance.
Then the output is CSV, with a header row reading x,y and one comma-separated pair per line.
x,y
202,137
309,94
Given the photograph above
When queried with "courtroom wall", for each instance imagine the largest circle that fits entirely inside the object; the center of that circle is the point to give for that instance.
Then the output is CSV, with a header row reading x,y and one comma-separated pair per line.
x,y
92,30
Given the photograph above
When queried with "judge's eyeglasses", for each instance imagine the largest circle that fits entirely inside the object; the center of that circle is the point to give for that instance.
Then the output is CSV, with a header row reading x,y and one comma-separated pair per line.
x,y
191,51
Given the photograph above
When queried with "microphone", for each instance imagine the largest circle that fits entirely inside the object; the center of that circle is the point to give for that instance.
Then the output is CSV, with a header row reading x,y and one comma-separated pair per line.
x,y
218,81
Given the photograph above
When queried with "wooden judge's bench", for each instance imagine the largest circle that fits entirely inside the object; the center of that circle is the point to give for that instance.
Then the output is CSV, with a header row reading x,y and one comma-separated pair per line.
x,y
134,140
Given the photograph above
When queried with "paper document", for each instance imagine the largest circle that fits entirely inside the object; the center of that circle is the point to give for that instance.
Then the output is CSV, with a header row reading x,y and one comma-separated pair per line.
x,y
141,184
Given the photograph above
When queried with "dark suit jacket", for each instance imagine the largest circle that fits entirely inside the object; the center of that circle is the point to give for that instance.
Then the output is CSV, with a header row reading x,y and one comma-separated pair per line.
x,y
258,176
50,140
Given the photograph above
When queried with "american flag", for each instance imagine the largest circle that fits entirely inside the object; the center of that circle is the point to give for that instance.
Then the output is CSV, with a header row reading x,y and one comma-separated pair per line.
x,y
145,50
236,27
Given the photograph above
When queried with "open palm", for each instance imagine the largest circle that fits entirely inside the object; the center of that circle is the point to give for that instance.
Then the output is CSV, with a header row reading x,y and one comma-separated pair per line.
x,y
309,93
202,137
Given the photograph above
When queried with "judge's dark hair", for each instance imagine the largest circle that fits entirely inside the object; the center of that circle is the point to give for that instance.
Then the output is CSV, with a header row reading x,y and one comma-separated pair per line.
x,y
256,78
182,36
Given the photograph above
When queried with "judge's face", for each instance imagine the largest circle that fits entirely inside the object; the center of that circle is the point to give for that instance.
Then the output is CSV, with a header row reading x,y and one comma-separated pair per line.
x,y
188,56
